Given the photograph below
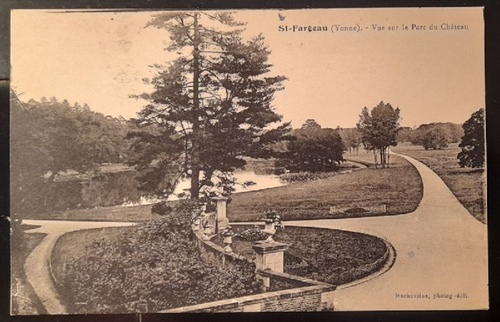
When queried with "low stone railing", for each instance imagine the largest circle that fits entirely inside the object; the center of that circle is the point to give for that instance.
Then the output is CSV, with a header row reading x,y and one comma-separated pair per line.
x,y
214,253
302,294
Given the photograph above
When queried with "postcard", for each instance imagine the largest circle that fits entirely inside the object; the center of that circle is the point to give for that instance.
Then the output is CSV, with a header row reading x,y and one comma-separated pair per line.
x,y
248,161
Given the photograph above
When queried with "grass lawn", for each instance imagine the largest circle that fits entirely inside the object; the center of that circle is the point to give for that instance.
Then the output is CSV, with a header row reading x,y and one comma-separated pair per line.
x,y
331,256
24,299
466,184
399,186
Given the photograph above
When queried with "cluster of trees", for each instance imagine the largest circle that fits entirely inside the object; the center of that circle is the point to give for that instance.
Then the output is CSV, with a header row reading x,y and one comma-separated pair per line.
x,y
379,129
313,149
50,137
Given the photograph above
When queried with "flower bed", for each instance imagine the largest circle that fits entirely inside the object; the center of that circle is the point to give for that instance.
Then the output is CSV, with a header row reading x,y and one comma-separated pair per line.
x,y
331,256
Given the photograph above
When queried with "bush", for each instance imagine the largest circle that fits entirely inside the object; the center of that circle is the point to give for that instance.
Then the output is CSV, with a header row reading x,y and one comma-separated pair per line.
x,y
305,176
435,139
150,267
161,208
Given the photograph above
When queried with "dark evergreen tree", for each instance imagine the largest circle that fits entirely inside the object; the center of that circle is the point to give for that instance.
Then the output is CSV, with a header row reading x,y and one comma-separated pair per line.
x,y
209,108
473,145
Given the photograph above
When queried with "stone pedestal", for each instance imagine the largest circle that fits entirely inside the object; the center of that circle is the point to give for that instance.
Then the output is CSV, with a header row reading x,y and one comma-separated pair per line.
x,y
222,221
270,255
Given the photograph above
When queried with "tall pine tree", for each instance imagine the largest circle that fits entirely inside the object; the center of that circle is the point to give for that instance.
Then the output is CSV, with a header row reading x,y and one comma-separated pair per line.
x,y
209,108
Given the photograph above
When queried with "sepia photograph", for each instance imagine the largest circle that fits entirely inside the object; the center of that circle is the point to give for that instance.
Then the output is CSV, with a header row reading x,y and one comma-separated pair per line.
x,y
189,161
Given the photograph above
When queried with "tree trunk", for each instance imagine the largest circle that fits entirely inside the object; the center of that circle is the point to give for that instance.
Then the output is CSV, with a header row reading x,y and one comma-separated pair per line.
x,y
388,157
382,158
195,160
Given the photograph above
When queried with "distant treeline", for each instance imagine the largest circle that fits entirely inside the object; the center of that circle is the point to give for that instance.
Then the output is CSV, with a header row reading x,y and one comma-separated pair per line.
x,y
430,136
433,135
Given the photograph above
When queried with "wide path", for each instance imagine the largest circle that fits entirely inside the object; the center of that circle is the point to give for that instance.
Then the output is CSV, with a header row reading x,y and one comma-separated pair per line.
x,y
37,264
441,251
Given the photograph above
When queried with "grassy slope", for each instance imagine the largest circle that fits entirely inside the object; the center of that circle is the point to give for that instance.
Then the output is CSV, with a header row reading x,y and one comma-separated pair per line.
x,y
399,186
466,184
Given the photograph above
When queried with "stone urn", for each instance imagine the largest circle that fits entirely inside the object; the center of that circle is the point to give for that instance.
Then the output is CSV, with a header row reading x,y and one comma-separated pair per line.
x,y
228,240
208,231
196,224
269,229
227,235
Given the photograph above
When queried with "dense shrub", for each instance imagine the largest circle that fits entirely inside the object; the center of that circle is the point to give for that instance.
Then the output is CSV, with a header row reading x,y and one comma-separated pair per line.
x,y
313,150
152,266
305,176
435,139
161,208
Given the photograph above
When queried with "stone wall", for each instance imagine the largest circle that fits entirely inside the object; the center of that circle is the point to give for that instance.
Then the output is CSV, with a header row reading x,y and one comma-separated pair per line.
x,y
304,299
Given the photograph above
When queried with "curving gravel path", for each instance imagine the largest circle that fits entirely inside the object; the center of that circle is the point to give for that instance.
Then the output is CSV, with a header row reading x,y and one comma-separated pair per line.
x,y
37,264
441,249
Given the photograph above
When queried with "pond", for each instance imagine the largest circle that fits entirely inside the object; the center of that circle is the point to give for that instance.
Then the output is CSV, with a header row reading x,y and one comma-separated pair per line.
x,y
262,181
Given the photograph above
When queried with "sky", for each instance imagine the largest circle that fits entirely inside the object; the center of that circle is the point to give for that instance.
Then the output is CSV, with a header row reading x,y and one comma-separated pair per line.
x,y
100,58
